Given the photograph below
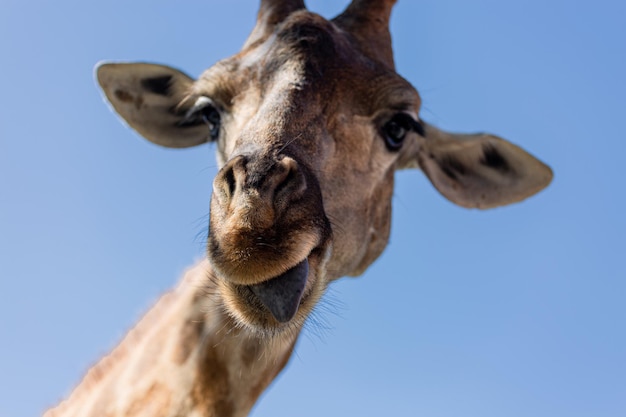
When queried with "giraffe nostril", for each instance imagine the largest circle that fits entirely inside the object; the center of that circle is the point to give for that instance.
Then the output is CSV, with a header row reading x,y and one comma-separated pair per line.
x,y
290,182
287,177
226,182
230,183
225,185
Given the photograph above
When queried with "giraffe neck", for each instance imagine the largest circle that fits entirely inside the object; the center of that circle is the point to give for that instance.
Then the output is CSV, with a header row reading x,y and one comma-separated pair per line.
x,y
185,357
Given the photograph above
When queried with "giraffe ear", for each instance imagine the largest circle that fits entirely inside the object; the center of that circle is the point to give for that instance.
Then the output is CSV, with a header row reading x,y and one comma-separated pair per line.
x,y
480,170
151,99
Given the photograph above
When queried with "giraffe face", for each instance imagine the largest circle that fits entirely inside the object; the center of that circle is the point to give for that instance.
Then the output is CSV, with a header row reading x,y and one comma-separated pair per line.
x,y
310,125
304,193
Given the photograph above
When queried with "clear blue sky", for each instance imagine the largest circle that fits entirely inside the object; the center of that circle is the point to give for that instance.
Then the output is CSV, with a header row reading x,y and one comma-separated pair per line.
x,y
519,311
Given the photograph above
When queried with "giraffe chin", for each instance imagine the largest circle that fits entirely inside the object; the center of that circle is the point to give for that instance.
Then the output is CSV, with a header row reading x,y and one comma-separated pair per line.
x,y
282,295
279,304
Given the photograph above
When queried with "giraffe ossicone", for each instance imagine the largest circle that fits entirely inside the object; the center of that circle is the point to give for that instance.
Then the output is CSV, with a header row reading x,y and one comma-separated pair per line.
x,y
310,122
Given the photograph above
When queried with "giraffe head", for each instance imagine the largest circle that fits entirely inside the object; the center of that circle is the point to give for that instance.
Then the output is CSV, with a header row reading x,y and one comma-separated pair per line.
x,y
311,121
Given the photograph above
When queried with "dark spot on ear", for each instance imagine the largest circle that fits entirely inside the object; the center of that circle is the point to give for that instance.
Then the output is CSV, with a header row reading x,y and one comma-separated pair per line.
x,y
158,85
452,167
493,159
124,96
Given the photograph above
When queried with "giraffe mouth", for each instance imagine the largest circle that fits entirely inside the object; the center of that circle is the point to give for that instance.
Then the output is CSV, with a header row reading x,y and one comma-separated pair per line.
x,y
282,295
281,302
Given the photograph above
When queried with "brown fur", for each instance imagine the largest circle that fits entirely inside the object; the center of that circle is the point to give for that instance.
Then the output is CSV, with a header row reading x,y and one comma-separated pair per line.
x,y
190,336
213,375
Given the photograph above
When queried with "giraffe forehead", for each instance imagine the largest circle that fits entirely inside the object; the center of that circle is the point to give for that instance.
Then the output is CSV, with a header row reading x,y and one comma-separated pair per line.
x,y
309,66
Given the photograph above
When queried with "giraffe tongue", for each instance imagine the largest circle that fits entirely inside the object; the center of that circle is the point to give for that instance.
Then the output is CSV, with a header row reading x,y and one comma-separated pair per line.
x,y
282,295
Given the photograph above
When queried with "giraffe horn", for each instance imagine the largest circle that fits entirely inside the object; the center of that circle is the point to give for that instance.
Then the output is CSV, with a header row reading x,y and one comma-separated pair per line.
x,y
271,13
368,21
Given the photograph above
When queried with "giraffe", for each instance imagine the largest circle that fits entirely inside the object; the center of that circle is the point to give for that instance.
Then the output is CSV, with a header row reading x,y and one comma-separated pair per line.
x,y
310,122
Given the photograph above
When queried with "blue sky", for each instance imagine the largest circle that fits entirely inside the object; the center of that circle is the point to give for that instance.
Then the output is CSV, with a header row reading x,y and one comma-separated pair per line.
x,y
518,311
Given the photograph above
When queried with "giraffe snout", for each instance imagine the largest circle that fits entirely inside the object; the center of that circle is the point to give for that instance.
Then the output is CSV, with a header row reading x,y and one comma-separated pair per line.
x,y
266,218
257,190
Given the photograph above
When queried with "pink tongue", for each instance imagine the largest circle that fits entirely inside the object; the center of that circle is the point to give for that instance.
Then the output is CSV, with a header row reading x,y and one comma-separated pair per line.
x,y
282,295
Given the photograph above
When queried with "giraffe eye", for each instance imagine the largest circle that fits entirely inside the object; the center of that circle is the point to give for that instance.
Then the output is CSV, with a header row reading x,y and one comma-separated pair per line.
x,y
204,111
212,118
395,130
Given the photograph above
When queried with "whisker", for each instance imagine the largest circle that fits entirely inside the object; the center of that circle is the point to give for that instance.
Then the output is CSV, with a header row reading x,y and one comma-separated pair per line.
x,y
289,143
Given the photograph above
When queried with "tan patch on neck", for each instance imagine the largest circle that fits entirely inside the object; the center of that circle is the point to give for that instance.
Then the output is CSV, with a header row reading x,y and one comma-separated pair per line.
x,y
251,354
189,339
154,403
270,375
212,391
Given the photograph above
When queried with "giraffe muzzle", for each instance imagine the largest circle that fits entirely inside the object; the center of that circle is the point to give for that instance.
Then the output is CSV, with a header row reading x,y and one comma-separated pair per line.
x,y
269,239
